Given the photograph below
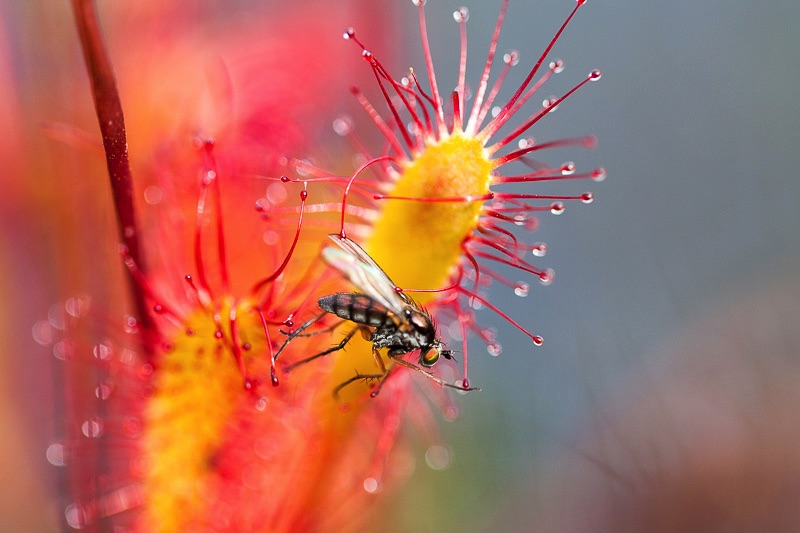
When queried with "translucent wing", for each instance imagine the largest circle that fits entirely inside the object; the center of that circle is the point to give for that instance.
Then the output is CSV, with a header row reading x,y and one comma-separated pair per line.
x,y
356,265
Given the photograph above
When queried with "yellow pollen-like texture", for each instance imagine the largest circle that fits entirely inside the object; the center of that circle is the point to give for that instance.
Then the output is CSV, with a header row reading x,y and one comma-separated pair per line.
x,y
195,391
418,242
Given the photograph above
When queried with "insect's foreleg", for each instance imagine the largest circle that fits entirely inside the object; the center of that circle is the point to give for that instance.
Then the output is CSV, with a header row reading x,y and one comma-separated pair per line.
x,y
397,358
323,353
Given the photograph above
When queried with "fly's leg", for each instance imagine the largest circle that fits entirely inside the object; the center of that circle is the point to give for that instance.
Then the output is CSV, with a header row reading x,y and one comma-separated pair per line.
x,y
381,377
297,333
397,358
357,377
323,353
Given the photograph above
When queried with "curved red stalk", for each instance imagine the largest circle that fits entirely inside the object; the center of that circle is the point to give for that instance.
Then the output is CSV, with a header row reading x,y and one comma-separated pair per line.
x,y
474,122
504,114
534,119
108,108
426,48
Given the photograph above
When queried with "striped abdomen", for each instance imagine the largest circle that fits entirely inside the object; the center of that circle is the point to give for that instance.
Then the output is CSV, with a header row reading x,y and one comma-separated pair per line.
x,y
356,307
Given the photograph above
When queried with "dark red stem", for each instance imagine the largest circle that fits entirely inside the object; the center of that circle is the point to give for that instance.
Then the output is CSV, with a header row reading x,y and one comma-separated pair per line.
x,y
115,143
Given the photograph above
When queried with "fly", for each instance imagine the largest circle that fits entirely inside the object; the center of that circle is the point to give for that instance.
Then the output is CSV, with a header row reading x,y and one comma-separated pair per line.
x,y
385,315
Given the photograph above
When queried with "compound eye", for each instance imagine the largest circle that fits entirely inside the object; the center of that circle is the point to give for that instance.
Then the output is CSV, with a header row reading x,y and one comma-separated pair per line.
x,y
429,357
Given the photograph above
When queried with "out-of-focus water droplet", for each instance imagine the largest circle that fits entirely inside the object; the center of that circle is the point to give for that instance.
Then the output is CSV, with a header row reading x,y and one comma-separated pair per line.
x,y
568,168
276,193
262,403
104,390
557,66
132,427
153,195
56,454
92,427
539,249
372,485
511,57
461,14
437,457
63,350
77,306
599,174
494,349
343,125
270,238
42,333
521,289
546,277
77,516
101,351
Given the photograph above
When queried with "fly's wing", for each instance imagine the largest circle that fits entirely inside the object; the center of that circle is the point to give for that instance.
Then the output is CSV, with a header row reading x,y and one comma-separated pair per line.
x,y
356,265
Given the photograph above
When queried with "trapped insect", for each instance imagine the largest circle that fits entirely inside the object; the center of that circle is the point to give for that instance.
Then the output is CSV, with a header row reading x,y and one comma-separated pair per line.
x,y
382,313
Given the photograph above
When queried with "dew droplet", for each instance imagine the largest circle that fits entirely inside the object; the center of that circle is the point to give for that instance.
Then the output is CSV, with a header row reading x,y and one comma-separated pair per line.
x,y
101,351
92,427
581,2
276,193
262,403
550,103
77,307
587,197
539,249
56,454
270,238
349,33
461,14
144,371
153,194
599,174
56,318
526,142
132,427
437,457
42,332
372,485
546,277
557,208
63,350
557,66
568,168
494,349
343,125
595,75
521,289
77,516
511,57
538,340
104,390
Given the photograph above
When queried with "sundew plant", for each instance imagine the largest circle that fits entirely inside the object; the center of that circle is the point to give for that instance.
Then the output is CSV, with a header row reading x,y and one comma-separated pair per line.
x,y
202,419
